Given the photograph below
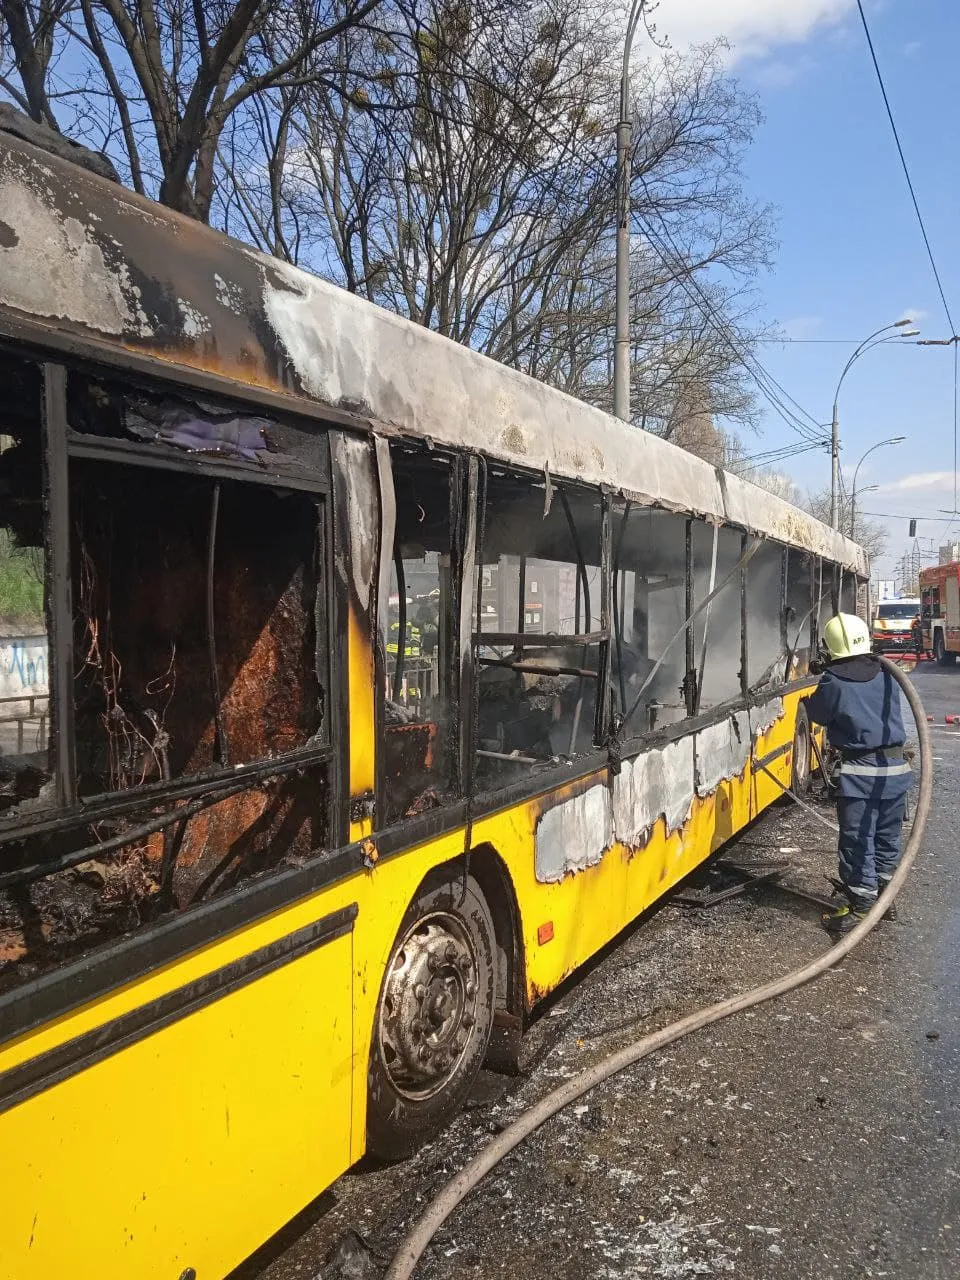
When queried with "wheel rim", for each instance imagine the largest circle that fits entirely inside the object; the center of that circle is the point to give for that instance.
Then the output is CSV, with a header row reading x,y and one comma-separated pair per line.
x,y
801,755
429,1006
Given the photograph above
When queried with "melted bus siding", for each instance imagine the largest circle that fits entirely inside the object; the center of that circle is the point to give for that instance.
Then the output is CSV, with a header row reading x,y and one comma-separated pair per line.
x,y
373,709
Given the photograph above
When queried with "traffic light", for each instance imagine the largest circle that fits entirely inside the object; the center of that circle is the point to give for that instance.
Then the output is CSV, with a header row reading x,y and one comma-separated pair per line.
x,y
913,529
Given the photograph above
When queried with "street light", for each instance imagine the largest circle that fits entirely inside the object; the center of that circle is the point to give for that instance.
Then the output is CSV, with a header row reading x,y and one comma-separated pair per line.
x,y
866,345
856,471
621,347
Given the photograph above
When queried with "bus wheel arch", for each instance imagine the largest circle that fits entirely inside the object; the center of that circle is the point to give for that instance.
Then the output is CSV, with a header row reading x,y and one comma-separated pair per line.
x,y
494,879
800,756
434,1015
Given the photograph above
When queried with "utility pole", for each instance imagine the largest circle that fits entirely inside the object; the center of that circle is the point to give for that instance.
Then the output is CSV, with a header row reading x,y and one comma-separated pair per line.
x,y
621,346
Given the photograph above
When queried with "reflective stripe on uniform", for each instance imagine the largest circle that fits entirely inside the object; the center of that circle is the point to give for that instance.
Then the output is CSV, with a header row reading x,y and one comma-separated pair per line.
x,y
875,770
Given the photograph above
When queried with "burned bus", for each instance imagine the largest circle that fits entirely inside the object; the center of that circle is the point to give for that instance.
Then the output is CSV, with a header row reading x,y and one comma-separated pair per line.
x,y
374,688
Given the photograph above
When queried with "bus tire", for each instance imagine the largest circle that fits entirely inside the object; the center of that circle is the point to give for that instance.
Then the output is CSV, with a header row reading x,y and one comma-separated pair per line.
x,y
944,659
434,1017
800,766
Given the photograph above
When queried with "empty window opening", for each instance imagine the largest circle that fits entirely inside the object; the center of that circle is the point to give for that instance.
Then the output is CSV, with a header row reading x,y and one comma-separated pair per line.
x,y
649,592
420,725
766,618
538,647
25,730
716,629
801,610
195,639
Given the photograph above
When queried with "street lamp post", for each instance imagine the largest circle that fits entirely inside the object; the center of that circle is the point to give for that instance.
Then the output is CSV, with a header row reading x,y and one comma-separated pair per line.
x,y
621,348
873,340
867,488
856,471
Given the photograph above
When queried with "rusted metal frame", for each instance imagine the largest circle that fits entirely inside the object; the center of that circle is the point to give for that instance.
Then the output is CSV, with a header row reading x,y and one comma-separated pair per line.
x,y
119,804
337,664
819,610
95,357
816,568
602,723
503,755
531,668
784,577
58,604
323,576
158,458
172,844
551,640
465,576
750,878
380,613
690,664
706,621
581,562
64,861
620,602
472,737
402,618
223,747
744,646
521,601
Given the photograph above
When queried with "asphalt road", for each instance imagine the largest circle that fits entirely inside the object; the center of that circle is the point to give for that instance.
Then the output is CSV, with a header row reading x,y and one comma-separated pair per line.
x,y
818,1136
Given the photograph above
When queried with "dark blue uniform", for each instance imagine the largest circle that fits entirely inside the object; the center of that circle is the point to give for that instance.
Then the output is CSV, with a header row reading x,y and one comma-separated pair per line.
x,y
858,704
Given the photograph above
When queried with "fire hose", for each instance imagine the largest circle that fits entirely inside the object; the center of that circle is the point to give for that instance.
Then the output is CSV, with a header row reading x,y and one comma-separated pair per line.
x,y
443,1204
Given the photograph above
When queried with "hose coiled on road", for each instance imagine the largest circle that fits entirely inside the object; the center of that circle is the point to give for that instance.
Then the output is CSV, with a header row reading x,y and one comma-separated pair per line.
x,y
443,1204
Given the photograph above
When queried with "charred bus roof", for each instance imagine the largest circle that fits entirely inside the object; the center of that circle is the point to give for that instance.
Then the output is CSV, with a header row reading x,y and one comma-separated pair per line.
x,y
93,269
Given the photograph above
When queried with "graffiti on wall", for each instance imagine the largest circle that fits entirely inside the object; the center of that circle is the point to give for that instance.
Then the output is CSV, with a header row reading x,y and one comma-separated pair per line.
x,y
23,666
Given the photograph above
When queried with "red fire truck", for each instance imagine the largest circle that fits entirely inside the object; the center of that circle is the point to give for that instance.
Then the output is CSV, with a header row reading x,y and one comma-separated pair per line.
x,y
940,611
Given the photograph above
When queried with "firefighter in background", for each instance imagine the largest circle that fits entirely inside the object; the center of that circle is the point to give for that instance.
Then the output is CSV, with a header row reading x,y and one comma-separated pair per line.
x,y
858,703
916,630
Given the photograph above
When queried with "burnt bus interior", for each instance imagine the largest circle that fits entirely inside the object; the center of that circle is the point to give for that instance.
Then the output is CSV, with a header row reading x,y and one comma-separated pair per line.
x,y
187,747
172,556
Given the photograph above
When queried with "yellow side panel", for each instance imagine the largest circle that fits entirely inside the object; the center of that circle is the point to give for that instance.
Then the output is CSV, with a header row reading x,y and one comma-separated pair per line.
x,y
192,1146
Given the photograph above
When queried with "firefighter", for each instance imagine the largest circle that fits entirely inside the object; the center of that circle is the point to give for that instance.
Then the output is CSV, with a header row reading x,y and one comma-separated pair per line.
x,y
916,631
858,703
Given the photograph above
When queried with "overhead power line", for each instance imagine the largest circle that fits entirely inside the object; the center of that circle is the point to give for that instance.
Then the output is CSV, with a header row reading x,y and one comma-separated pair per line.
x,y
906,170
809,429
926,241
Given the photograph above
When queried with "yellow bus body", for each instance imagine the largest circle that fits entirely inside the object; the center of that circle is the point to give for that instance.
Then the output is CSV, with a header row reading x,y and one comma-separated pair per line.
x,y
179,1154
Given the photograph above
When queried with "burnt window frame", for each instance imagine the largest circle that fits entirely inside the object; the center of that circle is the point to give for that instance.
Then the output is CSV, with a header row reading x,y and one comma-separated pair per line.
x,y
60,445
473,638
461,498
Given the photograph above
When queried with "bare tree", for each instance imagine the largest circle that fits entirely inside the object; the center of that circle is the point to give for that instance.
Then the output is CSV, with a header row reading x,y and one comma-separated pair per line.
x,y
452,160
154,83
870,534
469,184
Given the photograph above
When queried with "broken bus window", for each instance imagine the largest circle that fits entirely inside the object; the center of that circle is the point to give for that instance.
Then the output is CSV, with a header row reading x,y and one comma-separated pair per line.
x,y
540,595
25,731
419,724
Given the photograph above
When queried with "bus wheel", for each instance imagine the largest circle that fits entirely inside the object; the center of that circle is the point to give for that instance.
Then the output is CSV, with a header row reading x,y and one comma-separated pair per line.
x,y
944,659
434,1018
800,772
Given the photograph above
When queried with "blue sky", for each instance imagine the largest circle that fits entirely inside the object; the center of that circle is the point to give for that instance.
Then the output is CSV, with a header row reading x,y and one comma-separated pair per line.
x,y
851,256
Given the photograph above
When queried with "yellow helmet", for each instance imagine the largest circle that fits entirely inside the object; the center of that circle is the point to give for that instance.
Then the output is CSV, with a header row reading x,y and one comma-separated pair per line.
x,y
846,635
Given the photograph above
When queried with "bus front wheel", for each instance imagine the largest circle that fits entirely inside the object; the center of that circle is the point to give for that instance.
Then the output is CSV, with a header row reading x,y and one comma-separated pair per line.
x,y
944,659
434,1017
